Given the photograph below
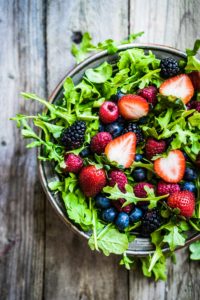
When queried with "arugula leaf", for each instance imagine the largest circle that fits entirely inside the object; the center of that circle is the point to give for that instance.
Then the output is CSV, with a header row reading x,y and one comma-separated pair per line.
x,y
86,46
100,74
195,251
159,269
194,50
126,261
174,238
193,64
129,195
110,240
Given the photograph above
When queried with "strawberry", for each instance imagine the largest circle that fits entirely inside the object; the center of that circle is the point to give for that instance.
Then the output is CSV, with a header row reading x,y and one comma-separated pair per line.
x,y
99,142
108,112
92,180
122,149
179,86
133,107
183,200
164,188
154,147
171,168
195,78
149,93
73,163
118,177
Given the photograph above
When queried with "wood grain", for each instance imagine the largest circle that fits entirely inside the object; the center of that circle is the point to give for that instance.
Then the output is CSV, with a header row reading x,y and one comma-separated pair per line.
x,y
72,270
22,202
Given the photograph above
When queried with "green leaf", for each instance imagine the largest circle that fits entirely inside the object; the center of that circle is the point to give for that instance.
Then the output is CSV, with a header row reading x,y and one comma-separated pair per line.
x,y
174,238
110,241
101,74
85,47
195,251
194,50
126,261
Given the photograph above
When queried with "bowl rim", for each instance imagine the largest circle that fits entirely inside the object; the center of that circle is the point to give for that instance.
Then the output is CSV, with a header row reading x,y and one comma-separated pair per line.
x,y
43,179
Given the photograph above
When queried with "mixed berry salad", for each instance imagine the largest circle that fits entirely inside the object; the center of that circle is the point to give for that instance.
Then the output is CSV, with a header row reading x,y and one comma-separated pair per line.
x,y
125,143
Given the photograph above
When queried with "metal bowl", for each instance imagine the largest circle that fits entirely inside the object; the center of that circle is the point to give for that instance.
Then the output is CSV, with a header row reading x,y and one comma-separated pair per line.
x,y
140,246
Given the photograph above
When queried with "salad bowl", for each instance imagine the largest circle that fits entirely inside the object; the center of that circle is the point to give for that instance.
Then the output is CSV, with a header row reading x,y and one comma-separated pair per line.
x,y
140,246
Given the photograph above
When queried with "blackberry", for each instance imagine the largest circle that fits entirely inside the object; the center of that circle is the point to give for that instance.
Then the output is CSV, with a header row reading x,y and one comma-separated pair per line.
x,y
150,222
73,136
169,67
132,127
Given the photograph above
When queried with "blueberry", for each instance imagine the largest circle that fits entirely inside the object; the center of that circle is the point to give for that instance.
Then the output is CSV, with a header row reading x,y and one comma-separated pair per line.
x,y
139,174
85,152
135,215
109,214
114,129
101,127
189,186
138,157
117,96
102,202
190,174
122,221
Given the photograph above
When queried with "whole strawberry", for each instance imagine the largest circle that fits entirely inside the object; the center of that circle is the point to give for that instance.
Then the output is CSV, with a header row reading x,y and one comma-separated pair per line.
x,y
118,205
183,200
92,180
154,147
119,178
149,93
108,112
100,141
194,105
139,189
73,163
164,188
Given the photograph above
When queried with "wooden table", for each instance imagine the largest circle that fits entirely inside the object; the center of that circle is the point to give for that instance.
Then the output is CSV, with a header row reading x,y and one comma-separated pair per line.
x,y
39,257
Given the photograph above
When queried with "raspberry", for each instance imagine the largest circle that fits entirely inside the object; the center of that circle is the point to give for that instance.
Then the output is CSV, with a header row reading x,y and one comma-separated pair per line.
x,y
169,67
140,191
194,105
118,177
133,127
73,162
99,142
149,93
118,205
73,136
108,112
150,222
164,188
154,147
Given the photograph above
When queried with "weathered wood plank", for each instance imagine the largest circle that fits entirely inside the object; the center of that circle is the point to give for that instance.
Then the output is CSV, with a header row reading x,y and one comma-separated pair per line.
x,y
173,23
22,203
72,270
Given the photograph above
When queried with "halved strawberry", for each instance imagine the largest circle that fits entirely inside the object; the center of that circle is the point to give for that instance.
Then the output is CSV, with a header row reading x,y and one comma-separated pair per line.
x,y
133,107
122,149
179,86
171,168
